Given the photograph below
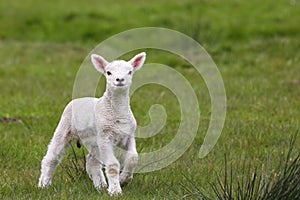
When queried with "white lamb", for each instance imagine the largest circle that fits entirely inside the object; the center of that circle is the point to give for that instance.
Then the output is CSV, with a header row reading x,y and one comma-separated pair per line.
x,y
100,124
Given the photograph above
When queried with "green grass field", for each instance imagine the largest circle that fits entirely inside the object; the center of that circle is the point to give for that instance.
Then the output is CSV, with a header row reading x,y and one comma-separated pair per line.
x,y
255,44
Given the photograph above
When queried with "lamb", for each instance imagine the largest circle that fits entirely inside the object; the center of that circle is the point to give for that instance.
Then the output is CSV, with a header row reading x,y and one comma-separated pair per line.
x,y
100,124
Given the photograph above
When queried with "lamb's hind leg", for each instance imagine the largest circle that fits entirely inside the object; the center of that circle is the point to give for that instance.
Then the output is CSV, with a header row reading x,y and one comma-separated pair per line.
x,y
94,169
54,155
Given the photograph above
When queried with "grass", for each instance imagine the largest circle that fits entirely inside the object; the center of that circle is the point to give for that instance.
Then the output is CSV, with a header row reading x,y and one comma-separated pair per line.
x,y
255,45
257,184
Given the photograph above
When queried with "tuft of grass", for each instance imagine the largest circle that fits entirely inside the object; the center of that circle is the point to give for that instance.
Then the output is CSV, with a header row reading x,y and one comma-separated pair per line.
x,y
285,184
75,167
281,184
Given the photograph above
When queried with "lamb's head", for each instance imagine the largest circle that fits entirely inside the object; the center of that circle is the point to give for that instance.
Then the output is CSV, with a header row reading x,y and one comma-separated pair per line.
x,y
118,73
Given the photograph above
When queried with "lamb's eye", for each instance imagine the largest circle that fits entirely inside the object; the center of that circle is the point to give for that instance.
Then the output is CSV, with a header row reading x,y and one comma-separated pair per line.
x,y
130,72
108,73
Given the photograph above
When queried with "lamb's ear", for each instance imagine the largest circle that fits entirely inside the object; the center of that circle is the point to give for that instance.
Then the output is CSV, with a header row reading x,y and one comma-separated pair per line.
x,y
138,61
99,62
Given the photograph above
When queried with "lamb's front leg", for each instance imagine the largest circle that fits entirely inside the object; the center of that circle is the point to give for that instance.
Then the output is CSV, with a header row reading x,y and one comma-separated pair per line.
x,y
131,160
112,167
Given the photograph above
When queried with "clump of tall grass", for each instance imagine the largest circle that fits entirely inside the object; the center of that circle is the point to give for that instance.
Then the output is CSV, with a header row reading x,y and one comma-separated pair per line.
x,y
75,167
282,183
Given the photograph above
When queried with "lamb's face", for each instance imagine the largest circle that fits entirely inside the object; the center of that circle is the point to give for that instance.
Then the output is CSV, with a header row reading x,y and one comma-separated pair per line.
x,y
118,73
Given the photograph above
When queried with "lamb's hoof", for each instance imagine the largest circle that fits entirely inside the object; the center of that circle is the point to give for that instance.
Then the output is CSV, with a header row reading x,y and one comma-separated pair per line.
x,y
125,179
115,190
101,186
41,185
44,183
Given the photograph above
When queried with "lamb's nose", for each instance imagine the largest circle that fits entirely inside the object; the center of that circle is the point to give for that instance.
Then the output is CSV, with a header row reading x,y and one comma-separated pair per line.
x,y
120,80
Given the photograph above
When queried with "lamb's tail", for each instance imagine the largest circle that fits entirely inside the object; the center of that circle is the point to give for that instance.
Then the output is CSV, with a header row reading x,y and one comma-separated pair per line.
x,y
78,144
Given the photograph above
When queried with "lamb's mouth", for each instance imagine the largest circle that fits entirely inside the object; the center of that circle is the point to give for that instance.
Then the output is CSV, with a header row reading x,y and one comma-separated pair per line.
x,y
120,85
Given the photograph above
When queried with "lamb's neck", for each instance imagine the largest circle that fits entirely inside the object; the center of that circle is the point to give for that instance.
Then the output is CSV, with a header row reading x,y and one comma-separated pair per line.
x,y
119,102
